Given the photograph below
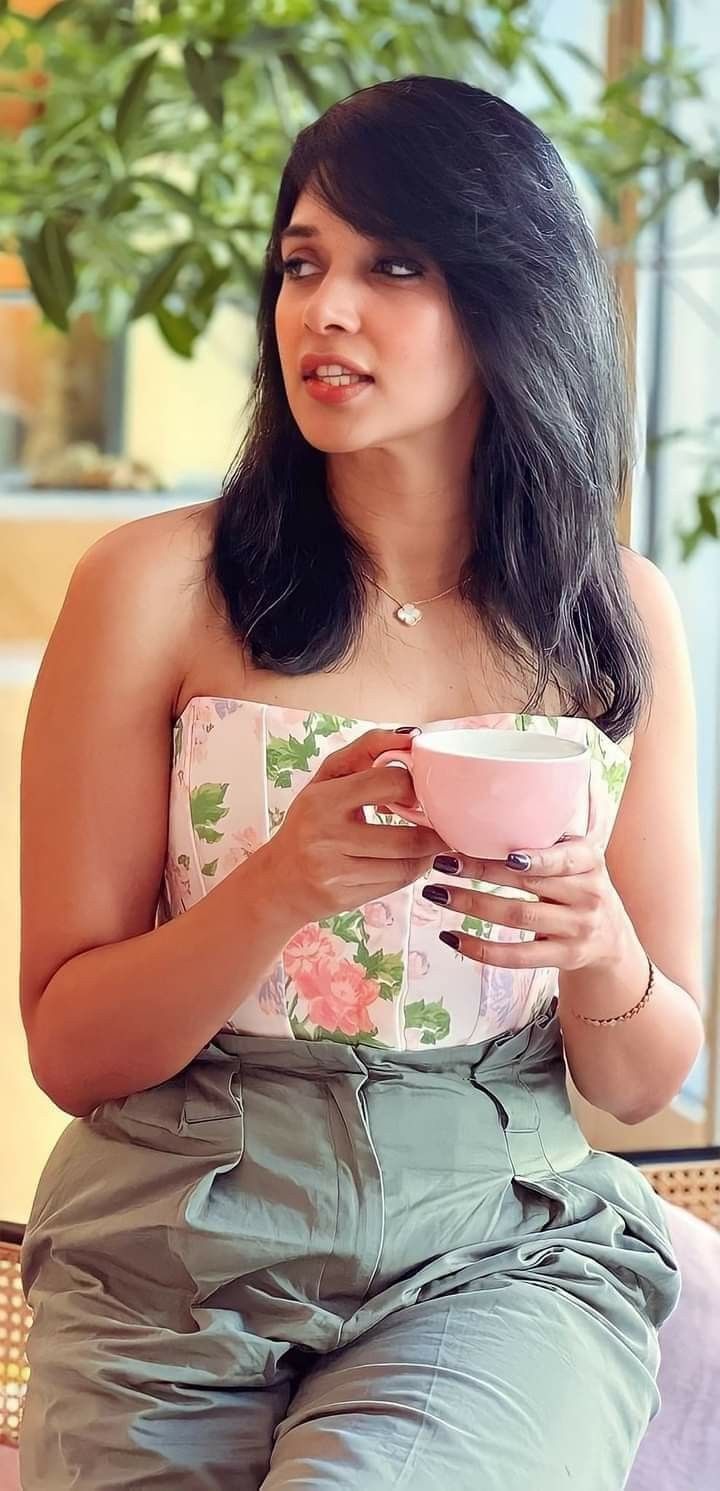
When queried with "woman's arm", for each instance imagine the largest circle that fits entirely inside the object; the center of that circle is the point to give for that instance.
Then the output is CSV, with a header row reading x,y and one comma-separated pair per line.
x,y
635,1068
110,1003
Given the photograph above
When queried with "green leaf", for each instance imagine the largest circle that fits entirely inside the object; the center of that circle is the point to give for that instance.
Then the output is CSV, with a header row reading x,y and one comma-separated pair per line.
x,y
206,76
172,194
159,281
206,808
51,271
583,58
177,331
210,868
349,925
363,1037
131,107
385,968
708,516
548,81
122,197
290,755
326,724
477,926
432,1019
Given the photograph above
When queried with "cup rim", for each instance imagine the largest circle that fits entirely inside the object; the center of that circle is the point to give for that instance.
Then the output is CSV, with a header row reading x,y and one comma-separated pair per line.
x,y
571,750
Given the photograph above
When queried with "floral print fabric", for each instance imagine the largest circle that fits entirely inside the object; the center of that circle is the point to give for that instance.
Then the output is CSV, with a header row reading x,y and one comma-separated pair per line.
x,y
377,974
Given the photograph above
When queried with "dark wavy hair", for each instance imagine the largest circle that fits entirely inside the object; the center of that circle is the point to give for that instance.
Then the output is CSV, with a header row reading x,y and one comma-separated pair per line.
x,y
476,187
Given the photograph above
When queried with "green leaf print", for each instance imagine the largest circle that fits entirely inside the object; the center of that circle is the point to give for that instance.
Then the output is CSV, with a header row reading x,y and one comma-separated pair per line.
x,y
432,1019
177,741
285,756
349,925
477,925
385,968
206,808
300,1030
327,724
614,776
210,868
523,722
553,722
363,1037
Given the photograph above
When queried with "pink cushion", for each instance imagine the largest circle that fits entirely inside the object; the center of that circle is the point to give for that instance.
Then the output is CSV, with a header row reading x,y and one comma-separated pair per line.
x,y
9,1477
681,1450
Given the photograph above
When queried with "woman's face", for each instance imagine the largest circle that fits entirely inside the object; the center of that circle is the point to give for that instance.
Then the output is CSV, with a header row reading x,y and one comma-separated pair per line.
x,y
348,296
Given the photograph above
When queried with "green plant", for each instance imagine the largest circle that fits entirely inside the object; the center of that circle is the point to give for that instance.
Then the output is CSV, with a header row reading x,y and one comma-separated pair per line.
x,y
146,184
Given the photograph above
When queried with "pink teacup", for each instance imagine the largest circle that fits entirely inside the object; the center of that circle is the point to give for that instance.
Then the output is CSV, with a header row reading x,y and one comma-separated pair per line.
x,y
489,792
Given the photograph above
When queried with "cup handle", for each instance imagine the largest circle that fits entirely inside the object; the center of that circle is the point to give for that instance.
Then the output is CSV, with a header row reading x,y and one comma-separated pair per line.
x,y
414,815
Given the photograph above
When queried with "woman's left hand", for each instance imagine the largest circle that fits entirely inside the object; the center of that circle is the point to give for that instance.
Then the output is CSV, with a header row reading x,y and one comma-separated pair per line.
x,y
579,920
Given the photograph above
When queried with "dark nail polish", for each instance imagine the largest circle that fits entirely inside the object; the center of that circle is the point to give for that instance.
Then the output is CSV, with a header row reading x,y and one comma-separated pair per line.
x,y
408,730
437,893
451,938
447,864
518,861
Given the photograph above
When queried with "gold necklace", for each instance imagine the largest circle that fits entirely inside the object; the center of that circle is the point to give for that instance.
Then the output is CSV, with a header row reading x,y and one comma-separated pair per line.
x,y
409,611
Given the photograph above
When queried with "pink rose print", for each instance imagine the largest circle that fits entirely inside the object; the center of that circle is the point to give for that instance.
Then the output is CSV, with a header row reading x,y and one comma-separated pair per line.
x,y
177,881
338,995
306,948
423,912
244,842
287,716
202,725
418,965
378,914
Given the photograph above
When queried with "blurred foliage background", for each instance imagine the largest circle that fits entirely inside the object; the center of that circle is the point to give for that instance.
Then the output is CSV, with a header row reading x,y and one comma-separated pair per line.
x,y
142,176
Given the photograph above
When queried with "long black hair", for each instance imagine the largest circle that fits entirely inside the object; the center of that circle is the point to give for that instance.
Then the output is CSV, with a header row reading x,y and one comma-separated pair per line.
x,y
477,188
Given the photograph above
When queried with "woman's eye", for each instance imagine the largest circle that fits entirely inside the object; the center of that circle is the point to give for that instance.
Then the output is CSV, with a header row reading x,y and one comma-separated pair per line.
x,y
289,267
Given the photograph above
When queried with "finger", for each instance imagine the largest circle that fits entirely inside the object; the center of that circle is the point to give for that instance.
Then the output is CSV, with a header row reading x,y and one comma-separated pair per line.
x,y
391,841
570,857
564,890
543,918
550,954
360,754
381,784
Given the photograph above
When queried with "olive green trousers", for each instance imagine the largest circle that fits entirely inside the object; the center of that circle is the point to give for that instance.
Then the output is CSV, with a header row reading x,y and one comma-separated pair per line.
x,y
313,1265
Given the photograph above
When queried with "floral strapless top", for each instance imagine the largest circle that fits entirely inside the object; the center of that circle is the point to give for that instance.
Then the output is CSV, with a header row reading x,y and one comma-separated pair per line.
x,y
377,974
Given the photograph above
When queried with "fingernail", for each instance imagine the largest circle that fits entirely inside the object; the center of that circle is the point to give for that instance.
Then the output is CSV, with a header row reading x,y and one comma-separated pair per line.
x,y
447,864
518,861
408,730
451,938
437,893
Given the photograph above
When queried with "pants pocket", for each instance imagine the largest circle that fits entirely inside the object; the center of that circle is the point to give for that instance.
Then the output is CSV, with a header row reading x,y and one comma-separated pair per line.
x,y
202,1104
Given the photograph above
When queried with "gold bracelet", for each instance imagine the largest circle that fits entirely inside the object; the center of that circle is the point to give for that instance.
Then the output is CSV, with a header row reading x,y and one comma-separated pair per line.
x,y
614,1019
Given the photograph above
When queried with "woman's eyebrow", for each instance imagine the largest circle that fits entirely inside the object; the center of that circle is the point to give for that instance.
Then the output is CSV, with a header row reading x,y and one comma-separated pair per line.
x,y
299,230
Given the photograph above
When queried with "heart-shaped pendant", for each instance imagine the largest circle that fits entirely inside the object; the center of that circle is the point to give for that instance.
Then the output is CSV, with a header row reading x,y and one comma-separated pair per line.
x,y
409,614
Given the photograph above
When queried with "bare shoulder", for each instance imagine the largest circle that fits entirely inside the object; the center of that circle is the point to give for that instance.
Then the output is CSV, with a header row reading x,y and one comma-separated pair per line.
x,y
166,548
96,752
152,569
659,611
651,592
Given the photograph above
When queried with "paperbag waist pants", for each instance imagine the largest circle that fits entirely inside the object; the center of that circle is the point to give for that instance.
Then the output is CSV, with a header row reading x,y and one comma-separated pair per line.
x,y
304,1264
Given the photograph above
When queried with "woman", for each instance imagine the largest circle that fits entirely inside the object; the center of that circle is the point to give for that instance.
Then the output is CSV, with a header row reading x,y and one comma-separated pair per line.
x,y
324,1217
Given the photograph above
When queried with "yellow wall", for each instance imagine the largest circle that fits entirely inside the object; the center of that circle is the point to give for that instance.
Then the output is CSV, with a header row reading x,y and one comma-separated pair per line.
x,y
36,560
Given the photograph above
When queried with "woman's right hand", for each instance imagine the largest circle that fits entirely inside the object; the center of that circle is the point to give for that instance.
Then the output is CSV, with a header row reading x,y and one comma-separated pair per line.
x,y
325,858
